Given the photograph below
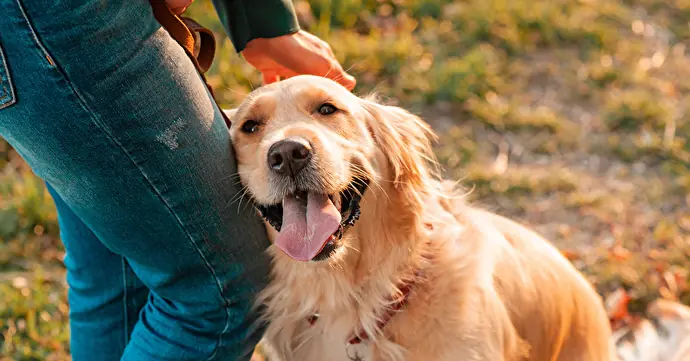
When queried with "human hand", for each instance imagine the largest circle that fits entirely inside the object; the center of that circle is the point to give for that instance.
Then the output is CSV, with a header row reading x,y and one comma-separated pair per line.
x,y
294,54
178,6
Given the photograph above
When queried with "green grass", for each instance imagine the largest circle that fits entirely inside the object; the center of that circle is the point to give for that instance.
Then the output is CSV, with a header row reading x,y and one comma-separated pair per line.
x,y
635,109
569,115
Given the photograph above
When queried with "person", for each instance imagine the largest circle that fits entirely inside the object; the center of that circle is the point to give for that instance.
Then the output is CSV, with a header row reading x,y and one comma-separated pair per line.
x,y
163,255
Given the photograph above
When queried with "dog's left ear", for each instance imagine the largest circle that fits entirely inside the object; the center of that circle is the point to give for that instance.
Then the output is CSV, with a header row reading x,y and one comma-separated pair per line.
x,y
405,139
229,112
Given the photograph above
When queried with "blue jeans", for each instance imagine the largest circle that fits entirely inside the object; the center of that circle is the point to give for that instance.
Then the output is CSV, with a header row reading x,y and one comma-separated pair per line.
x,y
162,261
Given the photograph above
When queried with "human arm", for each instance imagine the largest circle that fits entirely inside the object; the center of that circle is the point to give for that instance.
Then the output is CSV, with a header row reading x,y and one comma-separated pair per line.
x,y
268,35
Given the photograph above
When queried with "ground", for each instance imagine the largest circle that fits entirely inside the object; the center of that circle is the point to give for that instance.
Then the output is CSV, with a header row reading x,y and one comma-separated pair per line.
x,y
570,116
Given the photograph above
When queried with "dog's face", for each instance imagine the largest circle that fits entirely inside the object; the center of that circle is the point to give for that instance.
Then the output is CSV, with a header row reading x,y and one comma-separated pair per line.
x,y
307,148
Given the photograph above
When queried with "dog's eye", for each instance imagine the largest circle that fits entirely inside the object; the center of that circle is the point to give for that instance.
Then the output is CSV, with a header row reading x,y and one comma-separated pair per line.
x,y
250,126
327,109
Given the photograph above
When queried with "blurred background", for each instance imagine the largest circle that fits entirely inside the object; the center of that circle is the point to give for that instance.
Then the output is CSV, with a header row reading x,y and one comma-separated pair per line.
x,y
570,116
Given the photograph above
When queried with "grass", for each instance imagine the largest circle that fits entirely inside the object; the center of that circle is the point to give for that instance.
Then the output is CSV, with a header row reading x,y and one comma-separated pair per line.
x,y
568,115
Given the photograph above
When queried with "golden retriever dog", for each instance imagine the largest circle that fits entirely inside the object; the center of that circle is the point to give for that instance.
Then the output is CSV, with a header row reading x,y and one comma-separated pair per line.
x,y
377,258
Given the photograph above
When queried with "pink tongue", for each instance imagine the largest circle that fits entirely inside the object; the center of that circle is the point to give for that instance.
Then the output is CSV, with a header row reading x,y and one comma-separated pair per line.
x,y
304,232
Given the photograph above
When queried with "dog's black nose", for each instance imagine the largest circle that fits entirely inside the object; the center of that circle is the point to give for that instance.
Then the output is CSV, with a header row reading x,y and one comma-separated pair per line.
x,y
289,156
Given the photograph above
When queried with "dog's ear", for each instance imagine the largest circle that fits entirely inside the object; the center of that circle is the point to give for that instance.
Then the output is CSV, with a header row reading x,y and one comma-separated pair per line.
x,y
406,141
229,112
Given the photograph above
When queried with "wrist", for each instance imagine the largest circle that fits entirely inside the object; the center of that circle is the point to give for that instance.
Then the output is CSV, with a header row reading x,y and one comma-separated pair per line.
x,y
256,19
267,46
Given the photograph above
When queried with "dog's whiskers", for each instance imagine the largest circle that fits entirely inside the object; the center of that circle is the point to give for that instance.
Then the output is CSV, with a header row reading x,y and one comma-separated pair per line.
x,y
239,195
239,205
328,72
234,176
362,174
342,75
243,191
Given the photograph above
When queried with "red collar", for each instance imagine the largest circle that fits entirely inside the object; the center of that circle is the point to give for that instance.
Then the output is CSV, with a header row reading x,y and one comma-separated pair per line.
x,y
405,287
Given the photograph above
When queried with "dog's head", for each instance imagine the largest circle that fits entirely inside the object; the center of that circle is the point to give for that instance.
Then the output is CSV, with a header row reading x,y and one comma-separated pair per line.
x,y
307,150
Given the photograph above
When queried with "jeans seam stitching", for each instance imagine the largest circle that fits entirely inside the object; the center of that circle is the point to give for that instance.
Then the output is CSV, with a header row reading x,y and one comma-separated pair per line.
x,y
41,47
220,336
82,102
219,343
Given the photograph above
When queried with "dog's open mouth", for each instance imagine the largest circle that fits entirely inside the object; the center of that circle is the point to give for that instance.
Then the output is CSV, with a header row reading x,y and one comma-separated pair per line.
x,y
312,224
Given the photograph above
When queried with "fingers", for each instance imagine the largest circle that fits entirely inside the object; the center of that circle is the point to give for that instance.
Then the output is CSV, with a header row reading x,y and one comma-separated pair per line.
x,y
300,53
339,75
336,73
319,63
178,6
328,48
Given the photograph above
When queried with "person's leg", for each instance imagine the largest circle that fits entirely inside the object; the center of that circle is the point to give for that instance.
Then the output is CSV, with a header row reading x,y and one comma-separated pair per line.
x,y
105,296
111,113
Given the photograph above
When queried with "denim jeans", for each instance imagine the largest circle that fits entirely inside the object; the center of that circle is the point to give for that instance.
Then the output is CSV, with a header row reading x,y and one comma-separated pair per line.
x,y
162,261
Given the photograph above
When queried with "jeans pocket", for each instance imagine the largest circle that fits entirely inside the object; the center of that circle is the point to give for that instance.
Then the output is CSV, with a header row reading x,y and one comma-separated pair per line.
x,y
7,97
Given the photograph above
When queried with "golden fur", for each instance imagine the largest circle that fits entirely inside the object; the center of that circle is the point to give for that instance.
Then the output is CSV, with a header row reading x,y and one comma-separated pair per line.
x,y
493,290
